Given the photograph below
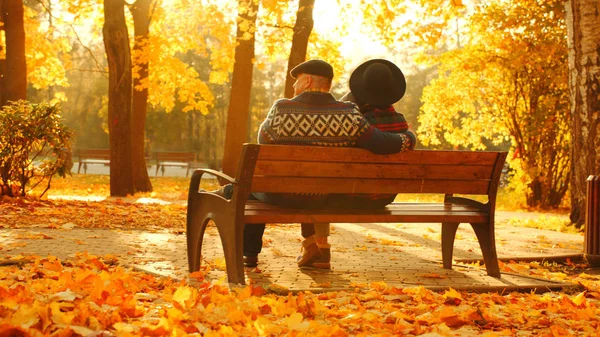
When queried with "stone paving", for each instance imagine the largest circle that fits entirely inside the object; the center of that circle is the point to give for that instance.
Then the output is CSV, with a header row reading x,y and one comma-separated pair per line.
x,y
399,254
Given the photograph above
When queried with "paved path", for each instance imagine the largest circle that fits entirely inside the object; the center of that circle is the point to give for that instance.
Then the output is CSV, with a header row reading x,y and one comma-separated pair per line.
x,y
399,254
170,171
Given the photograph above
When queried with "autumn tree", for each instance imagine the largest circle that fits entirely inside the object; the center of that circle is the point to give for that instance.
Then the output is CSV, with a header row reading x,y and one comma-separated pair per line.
x,y
509,80
241,85
13,72
583,23
116,41
302,29
169,81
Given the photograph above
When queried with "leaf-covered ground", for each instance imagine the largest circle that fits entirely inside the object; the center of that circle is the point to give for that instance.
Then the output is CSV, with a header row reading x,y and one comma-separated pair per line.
x,y
98,296
95,296
58,213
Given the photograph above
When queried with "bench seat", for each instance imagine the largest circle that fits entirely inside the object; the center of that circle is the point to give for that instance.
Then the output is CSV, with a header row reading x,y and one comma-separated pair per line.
x,y
260,212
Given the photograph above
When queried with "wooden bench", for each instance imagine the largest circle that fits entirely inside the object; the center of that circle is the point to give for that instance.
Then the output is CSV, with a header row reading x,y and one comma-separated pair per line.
x,y
186,160
308,169
92,156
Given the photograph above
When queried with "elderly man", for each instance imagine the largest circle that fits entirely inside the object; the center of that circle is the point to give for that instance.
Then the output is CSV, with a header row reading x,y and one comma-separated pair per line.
x,y
314,117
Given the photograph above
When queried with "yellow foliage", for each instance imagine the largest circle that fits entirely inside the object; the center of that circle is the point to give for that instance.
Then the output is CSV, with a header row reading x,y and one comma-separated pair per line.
x,y
507,82
44,66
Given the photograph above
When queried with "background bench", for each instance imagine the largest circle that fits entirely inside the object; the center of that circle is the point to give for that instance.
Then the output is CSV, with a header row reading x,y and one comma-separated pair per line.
x,y
183,159
92,156
309,169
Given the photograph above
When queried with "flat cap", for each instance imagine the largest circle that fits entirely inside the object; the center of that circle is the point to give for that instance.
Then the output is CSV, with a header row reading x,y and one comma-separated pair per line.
x,y
313,67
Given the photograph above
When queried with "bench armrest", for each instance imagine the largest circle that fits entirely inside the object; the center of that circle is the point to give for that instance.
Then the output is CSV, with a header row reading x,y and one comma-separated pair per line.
x,y
197,176
215,173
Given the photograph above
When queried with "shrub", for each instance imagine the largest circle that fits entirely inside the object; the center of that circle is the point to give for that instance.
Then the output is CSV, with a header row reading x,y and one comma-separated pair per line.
x,y
34,146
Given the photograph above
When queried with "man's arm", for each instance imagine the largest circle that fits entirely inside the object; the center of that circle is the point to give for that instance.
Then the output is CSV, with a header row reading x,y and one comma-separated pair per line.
x,y
380,142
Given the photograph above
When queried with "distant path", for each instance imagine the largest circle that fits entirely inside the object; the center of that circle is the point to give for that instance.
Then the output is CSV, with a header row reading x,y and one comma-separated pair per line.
x,y
172,171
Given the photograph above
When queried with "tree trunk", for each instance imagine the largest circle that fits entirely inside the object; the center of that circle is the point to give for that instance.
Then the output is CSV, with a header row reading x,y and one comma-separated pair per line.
x,y
583,24
2,61
140,11
116,43
15,68
241,86
302,29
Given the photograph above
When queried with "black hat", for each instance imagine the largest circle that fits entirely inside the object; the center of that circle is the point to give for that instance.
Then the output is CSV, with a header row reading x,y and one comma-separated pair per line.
x,y
313,67
378,82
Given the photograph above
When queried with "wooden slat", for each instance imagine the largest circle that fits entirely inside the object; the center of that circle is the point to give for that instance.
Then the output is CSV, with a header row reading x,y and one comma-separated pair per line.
x,y
256,205
369,186
356,155
397,212
368,170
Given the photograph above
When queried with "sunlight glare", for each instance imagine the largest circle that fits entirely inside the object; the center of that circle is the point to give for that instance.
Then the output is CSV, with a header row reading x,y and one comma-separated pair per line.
x,y
356,45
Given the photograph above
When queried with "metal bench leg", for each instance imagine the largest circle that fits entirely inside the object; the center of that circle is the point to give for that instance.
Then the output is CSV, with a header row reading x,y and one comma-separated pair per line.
x,y
487,242
202,209
157,167
233,241
79,167
195,235
448,236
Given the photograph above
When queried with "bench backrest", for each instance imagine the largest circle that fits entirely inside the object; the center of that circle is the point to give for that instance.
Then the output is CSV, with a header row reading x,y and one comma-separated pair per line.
x,y
311,169
185,157
93,153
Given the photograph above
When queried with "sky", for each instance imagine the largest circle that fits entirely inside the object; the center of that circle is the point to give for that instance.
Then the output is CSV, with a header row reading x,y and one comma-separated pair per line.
x,y
356,45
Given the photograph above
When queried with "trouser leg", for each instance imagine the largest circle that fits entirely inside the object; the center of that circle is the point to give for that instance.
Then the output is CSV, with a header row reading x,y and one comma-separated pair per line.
x,y
307,229
253,234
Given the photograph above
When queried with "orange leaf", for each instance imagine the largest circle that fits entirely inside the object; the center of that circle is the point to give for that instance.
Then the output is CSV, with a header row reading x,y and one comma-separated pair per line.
x,y
258,290
198,275
433,275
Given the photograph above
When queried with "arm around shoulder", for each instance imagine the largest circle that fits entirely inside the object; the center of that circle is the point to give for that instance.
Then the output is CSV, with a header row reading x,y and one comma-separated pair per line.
x,y
380,142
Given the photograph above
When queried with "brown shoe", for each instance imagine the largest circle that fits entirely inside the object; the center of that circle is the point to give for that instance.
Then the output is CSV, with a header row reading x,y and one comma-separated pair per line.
x,y
320,262
324,261
250,261
310,252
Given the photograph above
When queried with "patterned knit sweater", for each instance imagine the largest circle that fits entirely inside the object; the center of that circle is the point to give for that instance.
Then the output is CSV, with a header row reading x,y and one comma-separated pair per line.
x,y
387,120
315,118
